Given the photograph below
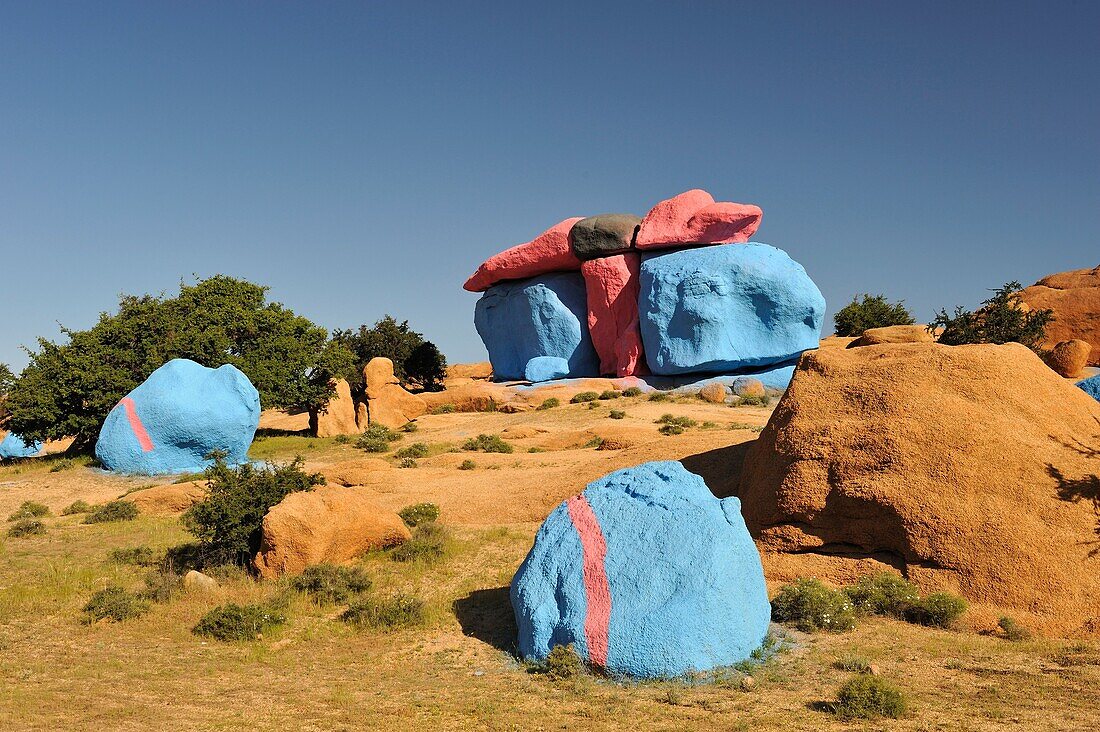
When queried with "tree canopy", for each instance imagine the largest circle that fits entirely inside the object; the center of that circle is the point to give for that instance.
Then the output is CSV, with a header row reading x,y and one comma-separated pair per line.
x,y
414,359
874,311
1001,319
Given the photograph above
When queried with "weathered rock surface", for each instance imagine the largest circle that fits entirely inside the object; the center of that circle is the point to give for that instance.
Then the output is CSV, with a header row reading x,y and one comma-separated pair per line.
x,y
176,417
715,393
479,370
1075,299
744,386
1069,358
338,416
693,217
968,468
195,580
327,524
361,471
893,334
612,290
168,499
388,403
720,309
603,235
647,574
548,252
1091,386
543,316
546,368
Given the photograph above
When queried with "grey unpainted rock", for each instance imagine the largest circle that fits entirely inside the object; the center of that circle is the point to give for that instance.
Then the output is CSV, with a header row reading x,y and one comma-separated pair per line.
x,y
603,235
194,580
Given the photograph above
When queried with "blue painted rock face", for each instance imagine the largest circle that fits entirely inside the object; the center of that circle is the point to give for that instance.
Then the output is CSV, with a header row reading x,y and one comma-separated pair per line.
x,y
722,308
13,446
1091,386
177,416
545,368
542,316
647,574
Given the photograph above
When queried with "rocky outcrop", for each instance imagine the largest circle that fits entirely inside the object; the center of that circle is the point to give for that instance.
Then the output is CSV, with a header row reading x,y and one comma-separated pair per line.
x,y
893,334
388,404
338,416
603,235
612,287
1069,358
166,500
1075,299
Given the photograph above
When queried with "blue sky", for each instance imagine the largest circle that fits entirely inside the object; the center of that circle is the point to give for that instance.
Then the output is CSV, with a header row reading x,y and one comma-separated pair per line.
x,y
363,158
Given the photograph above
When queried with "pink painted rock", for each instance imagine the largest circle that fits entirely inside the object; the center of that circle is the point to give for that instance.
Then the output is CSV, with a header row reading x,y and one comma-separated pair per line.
x,y
548,252
693,217
612,285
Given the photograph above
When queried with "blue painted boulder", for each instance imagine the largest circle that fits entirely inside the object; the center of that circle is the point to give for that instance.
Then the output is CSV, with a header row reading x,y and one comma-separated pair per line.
x,y
647,574
1091,386
13,446
724,308
545,368
541,316
176,417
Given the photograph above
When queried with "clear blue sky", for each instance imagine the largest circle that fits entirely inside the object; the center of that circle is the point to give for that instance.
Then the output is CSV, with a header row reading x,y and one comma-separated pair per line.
x,y
363,158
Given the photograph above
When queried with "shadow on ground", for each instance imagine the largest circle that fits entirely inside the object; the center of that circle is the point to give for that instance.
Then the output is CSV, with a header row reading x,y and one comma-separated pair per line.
x,y
720,468
487,616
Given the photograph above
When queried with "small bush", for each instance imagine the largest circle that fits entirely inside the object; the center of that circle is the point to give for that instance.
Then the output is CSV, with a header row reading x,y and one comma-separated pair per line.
x,y
1013,631
671,429
161,586
549,403
141,556
444,409
377,438
76,507
419,514
632,391
754,401
873,312
232,622
487,443
30,509
809,605
584,396
410,427
62,464
112,511
395,611
26,527
868,697
938,610
415,450
563,663
616,414
883,593
853,664
114,604
408,463
660,396
342,439
330,583
610,394
1001,319
467,465
428,544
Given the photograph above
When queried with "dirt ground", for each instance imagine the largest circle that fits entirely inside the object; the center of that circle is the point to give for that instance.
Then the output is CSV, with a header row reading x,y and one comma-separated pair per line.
x,y
456,672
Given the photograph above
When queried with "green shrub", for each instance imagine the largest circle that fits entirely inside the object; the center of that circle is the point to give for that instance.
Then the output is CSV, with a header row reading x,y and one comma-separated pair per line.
x,y
395,611
408,462
616,414
142,556
410,427
444,409
112,511
809,605
938,610
377,438
419,514
467,465
671,429
76,507
883,593
161,586
228,522
584,396
414,358
415,450
660,396
1001,319
342,439
428,544
232,622
62,464
563,663
610,394
330,583
549,403
632,391
684,422
872,312
1013,631
487,443
753,401
26,527
853,664
114,604
868,697
30,509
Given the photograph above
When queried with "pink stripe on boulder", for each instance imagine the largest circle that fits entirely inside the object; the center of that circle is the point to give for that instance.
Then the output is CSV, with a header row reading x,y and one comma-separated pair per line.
x,y
612,285
597,619
693,217
135,424
547,252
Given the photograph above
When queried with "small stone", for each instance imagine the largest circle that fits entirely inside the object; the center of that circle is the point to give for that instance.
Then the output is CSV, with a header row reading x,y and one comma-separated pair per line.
x,y
715,393
194,580
1069,358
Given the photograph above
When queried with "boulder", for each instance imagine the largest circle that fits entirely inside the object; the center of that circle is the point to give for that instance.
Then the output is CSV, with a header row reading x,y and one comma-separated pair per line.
x,y
327,524
647,574
476,396
338,416
195,580
1069,358
546,368
1075,299
549,252
1091,386
967,468
745,386
13,446
893,334
612,291
543,316
714,392
362,471
165,500
693,217
479,370
603,235
394,407
378,374
176,417
720,309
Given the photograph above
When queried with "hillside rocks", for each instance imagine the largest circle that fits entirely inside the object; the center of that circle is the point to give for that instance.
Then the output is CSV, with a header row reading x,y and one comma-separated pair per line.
x,y
893,334
479,370
693,217
603,235
549,252
720,309
178,416
326,524
1075,299
338,417
968,468
13,446
543,316
1069,358
647,574
612,287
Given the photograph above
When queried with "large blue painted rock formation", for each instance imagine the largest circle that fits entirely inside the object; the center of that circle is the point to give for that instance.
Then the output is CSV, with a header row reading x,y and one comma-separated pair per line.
x,y
13,446
176,417
647,574
541,316
1091,386
720,309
